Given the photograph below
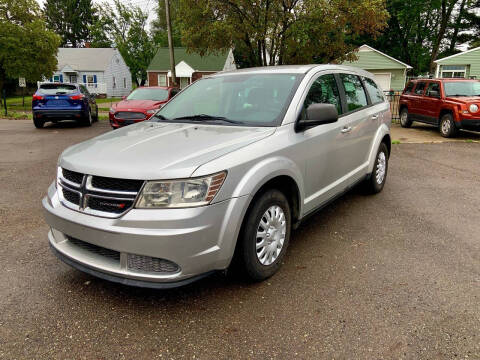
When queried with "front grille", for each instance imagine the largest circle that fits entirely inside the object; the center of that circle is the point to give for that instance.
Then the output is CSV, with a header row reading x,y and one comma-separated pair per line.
x,y
114,184
150,264
97,195
72,176
109,205
129,115
71,196
111,254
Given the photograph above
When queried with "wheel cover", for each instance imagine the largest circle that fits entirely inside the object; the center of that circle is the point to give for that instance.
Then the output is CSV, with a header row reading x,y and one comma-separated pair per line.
x,y
446,126
381,168
271,233
403,117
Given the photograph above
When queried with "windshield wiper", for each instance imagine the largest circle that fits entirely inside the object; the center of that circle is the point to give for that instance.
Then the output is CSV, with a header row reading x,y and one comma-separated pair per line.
x,y
455,95
159,117
205,117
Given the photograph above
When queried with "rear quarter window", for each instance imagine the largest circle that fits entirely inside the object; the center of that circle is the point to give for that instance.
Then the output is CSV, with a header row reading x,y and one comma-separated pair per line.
x,y
376,95
409,88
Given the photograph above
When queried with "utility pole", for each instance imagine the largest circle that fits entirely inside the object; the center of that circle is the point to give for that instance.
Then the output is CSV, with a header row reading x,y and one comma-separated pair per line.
x,y
170,43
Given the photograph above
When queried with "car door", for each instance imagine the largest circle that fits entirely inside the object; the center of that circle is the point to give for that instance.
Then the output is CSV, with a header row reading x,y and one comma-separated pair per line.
x,y
432,102
319,145
416,100
90,99
359,126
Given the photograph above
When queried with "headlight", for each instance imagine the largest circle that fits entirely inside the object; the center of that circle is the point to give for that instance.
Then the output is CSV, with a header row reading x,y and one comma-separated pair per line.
x,y
473,108
180,193
153,111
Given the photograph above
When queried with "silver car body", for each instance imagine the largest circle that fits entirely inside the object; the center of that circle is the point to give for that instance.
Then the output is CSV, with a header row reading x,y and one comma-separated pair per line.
x,y
322,161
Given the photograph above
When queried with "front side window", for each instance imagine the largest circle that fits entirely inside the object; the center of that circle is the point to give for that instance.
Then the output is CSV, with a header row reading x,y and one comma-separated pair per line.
x,y
354,92
462,88
245,99
376,95
419,88
324,90
433,90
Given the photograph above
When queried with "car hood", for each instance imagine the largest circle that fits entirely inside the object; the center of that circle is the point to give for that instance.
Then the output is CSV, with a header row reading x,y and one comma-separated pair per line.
x,y
150,150
130,105
464,99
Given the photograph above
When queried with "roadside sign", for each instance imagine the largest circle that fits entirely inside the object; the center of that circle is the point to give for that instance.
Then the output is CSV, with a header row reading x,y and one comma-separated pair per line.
x,y
22,83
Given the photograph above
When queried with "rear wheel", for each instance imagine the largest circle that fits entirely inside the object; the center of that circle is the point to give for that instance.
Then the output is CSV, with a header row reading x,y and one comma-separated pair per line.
x,y
38,122
448,128
377,180
265,235
88,120
96,115
405,120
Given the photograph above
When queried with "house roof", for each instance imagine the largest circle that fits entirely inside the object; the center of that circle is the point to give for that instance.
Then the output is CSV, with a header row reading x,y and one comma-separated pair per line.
x,y
85,59
161,60
370,58
455,55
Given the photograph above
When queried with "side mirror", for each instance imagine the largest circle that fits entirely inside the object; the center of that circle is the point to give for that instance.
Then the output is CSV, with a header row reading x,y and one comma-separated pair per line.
x,y
434,93
318,114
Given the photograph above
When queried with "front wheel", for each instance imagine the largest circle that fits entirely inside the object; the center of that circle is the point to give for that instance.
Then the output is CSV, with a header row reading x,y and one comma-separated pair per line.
x,y
265,235
377,180
448,128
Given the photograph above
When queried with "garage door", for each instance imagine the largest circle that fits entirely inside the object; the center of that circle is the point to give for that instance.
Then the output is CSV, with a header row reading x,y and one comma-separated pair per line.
x,y
384,80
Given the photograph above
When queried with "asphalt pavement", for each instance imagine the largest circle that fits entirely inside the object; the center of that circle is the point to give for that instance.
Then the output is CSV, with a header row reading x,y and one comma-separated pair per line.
x,y
391,276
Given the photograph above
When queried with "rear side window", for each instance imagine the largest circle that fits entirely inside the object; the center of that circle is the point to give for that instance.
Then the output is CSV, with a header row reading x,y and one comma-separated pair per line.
x,y
324,90
409,88
57,89
354,92
376,95
419,88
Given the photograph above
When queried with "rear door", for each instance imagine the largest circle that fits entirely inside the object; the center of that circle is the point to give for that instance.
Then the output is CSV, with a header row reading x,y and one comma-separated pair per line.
x,y
416,100
432,102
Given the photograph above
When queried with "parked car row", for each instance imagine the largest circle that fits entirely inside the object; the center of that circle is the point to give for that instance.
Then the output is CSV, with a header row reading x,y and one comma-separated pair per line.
x,y
449,104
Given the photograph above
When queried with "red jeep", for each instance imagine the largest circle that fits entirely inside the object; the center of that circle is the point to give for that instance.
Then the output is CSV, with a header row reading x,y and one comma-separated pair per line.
x,y
450,104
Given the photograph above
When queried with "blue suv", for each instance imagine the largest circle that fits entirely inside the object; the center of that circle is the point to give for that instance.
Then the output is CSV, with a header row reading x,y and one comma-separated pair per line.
x,y
60,101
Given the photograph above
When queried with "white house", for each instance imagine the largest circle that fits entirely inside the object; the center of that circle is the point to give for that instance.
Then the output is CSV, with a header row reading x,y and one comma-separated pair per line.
x,y
102,70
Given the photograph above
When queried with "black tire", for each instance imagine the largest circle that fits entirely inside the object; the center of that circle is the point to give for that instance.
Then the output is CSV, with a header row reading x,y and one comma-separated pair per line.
x,y
374,184
447,126
87,120
38,122
246,256
405,120
95,118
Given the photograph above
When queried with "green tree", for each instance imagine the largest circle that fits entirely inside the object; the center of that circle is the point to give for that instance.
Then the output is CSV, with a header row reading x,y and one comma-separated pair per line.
x,y
71,19
159,25
27,48
125,27
269,32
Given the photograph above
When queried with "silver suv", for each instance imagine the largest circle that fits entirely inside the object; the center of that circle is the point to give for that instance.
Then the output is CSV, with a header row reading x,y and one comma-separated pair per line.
x,y
224,171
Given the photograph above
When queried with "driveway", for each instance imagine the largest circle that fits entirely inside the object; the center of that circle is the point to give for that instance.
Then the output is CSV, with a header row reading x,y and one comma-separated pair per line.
x,y
392,276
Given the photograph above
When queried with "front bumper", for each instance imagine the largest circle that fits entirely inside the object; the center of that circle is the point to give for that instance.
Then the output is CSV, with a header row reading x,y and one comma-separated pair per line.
x,y
470,124
199,240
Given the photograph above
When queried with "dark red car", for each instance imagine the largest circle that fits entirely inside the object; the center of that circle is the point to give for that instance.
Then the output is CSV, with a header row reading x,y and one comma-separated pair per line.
x,y
140,105
449,104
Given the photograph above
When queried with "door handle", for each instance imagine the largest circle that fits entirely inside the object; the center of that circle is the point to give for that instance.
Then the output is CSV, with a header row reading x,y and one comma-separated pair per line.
x,y
346,130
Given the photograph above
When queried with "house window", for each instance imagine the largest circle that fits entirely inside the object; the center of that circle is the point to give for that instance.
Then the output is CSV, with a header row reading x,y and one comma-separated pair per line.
x,y
114,83
124,83
454,71
162,80
90,79
73,79
56,78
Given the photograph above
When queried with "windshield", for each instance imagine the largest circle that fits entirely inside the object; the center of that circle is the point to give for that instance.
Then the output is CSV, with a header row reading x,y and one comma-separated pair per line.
x,y
149,94
57,89
246,99
462,88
